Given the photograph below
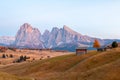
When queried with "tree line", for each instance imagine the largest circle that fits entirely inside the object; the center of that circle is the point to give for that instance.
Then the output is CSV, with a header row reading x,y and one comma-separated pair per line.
x,y
97,45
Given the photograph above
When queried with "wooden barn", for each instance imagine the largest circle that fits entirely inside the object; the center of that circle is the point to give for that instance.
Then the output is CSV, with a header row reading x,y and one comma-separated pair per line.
x,y
81,50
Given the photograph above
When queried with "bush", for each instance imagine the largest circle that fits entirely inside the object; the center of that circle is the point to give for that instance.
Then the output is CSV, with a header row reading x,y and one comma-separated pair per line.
x,y
6,55
11,56
24,58
114,44
3,56
21,59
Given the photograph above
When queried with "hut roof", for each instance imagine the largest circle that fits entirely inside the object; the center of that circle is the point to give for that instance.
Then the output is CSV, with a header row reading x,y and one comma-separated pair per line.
x,y
81,48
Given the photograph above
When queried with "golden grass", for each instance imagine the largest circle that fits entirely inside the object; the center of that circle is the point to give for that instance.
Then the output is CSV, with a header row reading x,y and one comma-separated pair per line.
x,y
33,54
91,66
6,76
47,67
103,66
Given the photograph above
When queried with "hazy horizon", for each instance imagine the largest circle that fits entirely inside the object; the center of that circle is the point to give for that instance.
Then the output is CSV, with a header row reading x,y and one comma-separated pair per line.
x,y
93,18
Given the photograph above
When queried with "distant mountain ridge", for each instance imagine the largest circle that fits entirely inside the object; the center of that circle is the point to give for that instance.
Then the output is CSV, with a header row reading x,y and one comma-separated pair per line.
x,y
65,35
58,38
6,40
28,37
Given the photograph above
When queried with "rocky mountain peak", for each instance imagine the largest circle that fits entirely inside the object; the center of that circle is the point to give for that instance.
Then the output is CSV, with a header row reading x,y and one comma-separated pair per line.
x,y
28,37
61,38
66,28
55,29
45,35
46,32
28,28
69,30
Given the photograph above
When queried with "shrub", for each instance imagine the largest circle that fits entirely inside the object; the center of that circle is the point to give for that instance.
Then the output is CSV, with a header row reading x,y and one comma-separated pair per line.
x,y
11,56
3,56
114,44
6,55
24,58
21,58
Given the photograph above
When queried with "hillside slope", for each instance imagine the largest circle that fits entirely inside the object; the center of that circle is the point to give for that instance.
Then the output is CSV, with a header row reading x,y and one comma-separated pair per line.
x,y
91,66
6,76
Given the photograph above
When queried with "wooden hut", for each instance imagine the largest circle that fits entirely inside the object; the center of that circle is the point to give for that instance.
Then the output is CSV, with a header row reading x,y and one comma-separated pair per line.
x,y
119,44
81,50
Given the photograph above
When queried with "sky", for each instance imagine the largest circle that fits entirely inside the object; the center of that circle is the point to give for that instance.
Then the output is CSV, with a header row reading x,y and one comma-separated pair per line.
x,y
96,18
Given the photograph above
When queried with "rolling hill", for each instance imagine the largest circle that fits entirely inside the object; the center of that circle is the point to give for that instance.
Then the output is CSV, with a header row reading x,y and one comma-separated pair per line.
x,y
91,66
6,76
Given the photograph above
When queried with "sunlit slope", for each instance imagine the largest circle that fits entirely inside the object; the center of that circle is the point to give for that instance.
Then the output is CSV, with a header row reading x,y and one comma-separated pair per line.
x,y
91,66
6,76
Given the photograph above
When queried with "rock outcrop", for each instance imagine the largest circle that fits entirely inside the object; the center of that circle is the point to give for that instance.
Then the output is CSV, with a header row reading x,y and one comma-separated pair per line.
x,y
58,38
28,37
65,35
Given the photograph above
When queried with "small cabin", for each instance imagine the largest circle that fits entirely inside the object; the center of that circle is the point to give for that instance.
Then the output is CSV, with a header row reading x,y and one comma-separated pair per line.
x,y
119,44
81,50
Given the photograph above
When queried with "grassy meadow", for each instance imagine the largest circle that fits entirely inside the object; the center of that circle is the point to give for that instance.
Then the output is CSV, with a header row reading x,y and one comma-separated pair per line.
x,y
91,66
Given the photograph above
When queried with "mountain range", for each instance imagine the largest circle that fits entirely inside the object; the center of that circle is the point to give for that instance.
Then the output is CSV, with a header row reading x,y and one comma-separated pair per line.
x,y
6,40
58,38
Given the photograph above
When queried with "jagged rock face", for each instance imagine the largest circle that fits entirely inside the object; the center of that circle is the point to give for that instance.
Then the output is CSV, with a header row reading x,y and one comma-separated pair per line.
x,y
52,37
28,37
63,38
64,35
70,35
45,37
